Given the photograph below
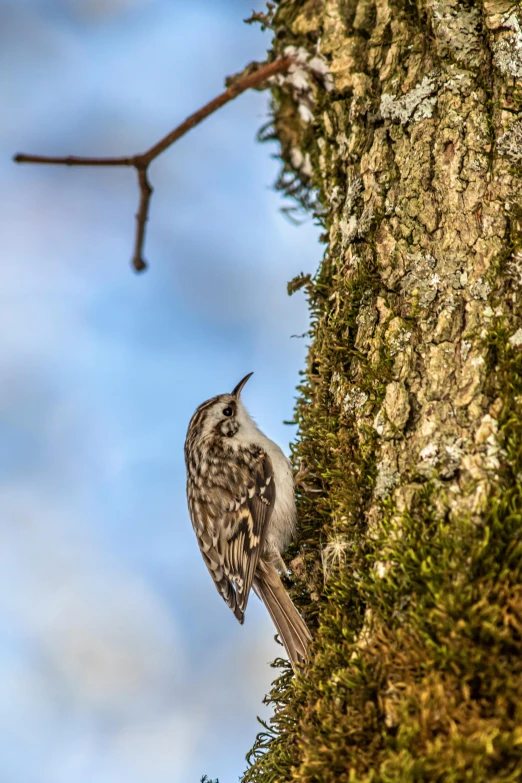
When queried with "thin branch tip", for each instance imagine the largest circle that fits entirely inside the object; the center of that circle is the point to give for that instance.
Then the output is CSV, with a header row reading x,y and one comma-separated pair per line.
x,y
142,216
139,265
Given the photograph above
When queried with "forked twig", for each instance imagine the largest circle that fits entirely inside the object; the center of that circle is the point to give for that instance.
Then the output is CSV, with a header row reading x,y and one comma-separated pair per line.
x,y
142,161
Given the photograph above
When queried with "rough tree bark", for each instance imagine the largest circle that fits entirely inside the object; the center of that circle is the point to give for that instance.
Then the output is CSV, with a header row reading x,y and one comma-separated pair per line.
x,y
405,137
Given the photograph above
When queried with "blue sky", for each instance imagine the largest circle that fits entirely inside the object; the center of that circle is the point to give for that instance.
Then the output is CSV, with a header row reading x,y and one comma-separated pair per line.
x,y
118,659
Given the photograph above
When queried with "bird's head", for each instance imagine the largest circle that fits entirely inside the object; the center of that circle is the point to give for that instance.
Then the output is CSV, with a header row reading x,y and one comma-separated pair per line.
x,y
222,415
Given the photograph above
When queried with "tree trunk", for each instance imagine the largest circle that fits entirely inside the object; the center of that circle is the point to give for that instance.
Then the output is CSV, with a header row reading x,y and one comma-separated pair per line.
x,y
404,119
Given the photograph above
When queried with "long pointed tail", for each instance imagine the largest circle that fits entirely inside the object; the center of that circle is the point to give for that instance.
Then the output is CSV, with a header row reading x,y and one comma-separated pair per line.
x,y
289,623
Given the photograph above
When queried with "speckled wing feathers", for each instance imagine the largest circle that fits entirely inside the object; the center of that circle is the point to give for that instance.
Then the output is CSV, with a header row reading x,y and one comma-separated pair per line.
x,y
246,543
230,512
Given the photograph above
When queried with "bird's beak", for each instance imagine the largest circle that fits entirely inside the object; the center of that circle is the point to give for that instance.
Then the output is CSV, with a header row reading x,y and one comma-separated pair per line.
x,y
239,388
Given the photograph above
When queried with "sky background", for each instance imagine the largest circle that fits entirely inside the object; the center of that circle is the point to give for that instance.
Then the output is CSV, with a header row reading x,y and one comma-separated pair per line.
x,y
119,662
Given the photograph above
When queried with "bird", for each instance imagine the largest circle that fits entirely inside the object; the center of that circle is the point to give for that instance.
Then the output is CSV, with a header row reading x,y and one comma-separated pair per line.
x,y
241,500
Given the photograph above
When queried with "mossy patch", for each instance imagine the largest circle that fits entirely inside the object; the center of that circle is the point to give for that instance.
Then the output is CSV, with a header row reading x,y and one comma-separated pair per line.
x,y
416,668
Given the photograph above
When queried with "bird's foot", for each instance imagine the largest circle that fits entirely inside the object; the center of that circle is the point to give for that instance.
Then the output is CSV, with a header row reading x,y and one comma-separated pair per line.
x,y
301,475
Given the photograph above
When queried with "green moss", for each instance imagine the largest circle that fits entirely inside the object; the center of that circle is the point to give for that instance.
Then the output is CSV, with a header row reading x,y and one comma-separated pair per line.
x,y
435,693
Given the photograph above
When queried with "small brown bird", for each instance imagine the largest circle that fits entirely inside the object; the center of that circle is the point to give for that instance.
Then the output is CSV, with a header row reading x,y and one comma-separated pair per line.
x,y
240,492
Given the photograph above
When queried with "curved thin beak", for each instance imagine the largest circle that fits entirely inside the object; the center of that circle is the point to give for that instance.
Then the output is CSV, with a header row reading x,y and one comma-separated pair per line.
x,y
239,388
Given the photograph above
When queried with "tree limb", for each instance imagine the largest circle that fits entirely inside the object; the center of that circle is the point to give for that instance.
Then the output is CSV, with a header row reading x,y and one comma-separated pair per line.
x,y
142,161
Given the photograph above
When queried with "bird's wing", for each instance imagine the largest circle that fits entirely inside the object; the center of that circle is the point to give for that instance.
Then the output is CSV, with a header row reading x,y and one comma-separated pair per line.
x,y
231,555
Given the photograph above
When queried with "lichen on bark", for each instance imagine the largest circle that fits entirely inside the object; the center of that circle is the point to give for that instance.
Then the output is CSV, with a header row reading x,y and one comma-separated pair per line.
x,y
410,412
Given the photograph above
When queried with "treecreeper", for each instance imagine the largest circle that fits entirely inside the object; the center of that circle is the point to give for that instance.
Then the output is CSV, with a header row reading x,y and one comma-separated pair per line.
x,y
240,492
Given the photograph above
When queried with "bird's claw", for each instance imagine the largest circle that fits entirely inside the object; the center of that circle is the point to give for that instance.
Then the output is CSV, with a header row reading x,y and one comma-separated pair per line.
x,y
301,475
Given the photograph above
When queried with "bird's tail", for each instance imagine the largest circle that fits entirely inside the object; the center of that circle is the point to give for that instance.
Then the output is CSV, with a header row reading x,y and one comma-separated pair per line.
x,y
289,623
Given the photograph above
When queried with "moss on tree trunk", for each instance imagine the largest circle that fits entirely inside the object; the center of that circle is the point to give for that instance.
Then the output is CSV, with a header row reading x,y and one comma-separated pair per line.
x,y
410,413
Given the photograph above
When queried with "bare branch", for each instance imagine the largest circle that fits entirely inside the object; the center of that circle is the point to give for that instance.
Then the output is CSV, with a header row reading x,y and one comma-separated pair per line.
x,y
254,79
73,160
141,162
142,215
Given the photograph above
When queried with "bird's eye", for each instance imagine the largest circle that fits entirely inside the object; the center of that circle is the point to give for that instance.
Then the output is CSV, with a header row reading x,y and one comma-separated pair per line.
x,y
227,412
